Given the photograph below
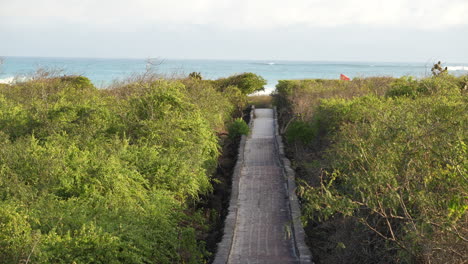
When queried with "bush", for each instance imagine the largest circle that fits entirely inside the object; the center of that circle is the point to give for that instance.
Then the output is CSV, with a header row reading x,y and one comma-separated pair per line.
x,y
410,87
237,98
238,128
247,83
396,168
215,107
195,75
106,176
301,132
298,99
385,180
16,239
405,86
79,82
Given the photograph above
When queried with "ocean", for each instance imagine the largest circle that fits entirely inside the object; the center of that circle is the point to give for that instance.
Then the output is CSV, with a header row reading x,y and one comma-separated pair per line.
x,y
103,72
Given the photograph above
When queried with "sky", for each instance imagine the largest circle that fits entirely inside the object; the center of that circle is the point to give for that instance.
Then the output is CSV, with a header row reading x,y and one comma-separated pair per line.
x,y
312,30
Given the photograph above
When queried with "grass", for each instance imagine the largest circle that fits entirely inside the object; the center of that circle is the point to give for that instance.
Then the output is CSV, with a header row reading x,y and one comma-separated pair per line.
x,y
260,101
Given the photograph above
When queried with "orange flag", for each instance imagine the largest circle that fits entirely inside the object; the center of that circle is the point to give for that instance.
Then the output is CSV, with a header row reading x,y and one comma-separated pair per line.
x,y
344,77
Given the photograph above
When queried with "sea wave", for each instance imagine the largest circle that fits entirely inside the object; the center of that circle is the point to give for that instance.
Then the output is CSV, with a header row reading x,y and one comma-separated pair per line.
x,y
13,79
265,63
8,80
457,68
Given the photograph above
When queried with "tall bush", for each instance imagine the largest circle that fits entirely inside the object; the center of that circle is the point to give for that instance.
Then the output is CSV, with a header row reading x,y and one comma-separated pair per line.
x,y
389,174
106,176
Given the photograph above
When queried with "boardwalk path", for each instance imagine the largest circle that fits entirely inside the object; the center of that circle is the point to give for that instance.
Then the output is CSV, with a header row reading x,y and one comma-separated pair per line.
x,y
260,220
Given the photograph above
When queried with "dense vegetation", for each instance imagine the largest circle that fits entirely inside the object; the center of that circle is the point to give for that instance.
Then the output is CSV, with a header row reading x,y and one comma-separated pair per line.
x,y
383,165
110,175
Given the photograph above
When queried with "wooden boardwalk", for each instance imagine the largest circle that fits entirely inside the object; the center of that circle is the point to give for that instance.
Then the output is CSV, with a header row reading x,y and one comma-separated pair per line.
x,y
262,231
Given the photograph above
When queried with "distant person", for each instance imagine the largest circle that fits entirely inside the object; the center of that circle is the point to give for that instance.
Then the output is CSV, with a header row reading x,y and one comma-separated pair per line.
x,y
437,69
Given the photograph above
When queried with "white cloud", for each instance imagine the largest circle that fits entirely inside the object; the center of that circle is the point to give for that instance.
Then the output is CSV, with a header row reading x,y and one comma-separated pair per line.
x,y
237,14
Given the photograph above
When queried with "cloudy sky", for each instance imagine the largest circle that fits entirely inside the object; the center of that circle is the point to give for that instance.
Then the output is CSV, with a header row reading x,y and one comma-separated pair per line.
x,y
336,30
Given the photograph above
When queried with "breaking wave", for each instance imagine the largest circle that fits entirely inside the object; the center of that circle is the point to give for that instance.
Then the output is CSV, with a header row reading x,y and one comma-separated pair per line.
x,y
14,79
457,68
8,80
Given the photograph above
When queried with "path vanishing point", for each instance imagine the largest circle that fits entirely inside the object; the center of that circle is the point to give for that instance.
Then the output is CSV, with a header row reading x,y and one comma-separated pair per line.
x,y
263,224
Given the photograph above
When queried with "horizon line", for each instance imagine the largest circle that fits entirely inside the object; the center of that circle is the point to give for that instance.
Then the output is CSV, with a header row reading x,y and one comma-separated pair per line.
x,y
429,61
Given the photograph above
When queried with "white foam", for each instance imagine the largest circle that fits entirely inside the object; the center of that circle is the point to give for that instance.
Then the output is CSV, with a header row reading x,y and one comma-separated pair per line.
x,y
14,79
8,80
457,68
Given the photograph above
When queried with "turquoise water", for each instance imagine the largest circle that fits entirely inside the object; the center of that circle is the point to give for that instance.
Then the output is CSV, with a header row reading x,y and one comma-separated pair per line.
x,y
103,71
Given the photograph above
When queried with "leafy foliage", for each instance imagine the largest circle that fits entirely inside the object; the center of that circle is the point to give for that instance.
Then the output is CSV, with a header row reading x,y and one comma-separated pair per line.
x,y
247,83
238,128
299,131
106,176
195,75
393,167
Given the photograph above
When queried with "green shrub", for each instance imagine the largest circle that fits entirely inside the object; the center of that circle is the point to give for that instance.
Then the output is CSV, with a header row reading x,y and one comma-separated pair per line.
x,y
394,166
299,131
299,98
238,128
247,83
237,98
106,176
79,82
440,84
388,182
215,107
405,86
16,238
195,75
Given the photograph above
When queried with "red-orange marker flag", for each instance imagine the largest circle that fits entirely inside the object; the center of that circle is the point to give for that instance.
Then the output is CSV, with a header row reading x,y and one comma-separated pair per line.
x,y
344,77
